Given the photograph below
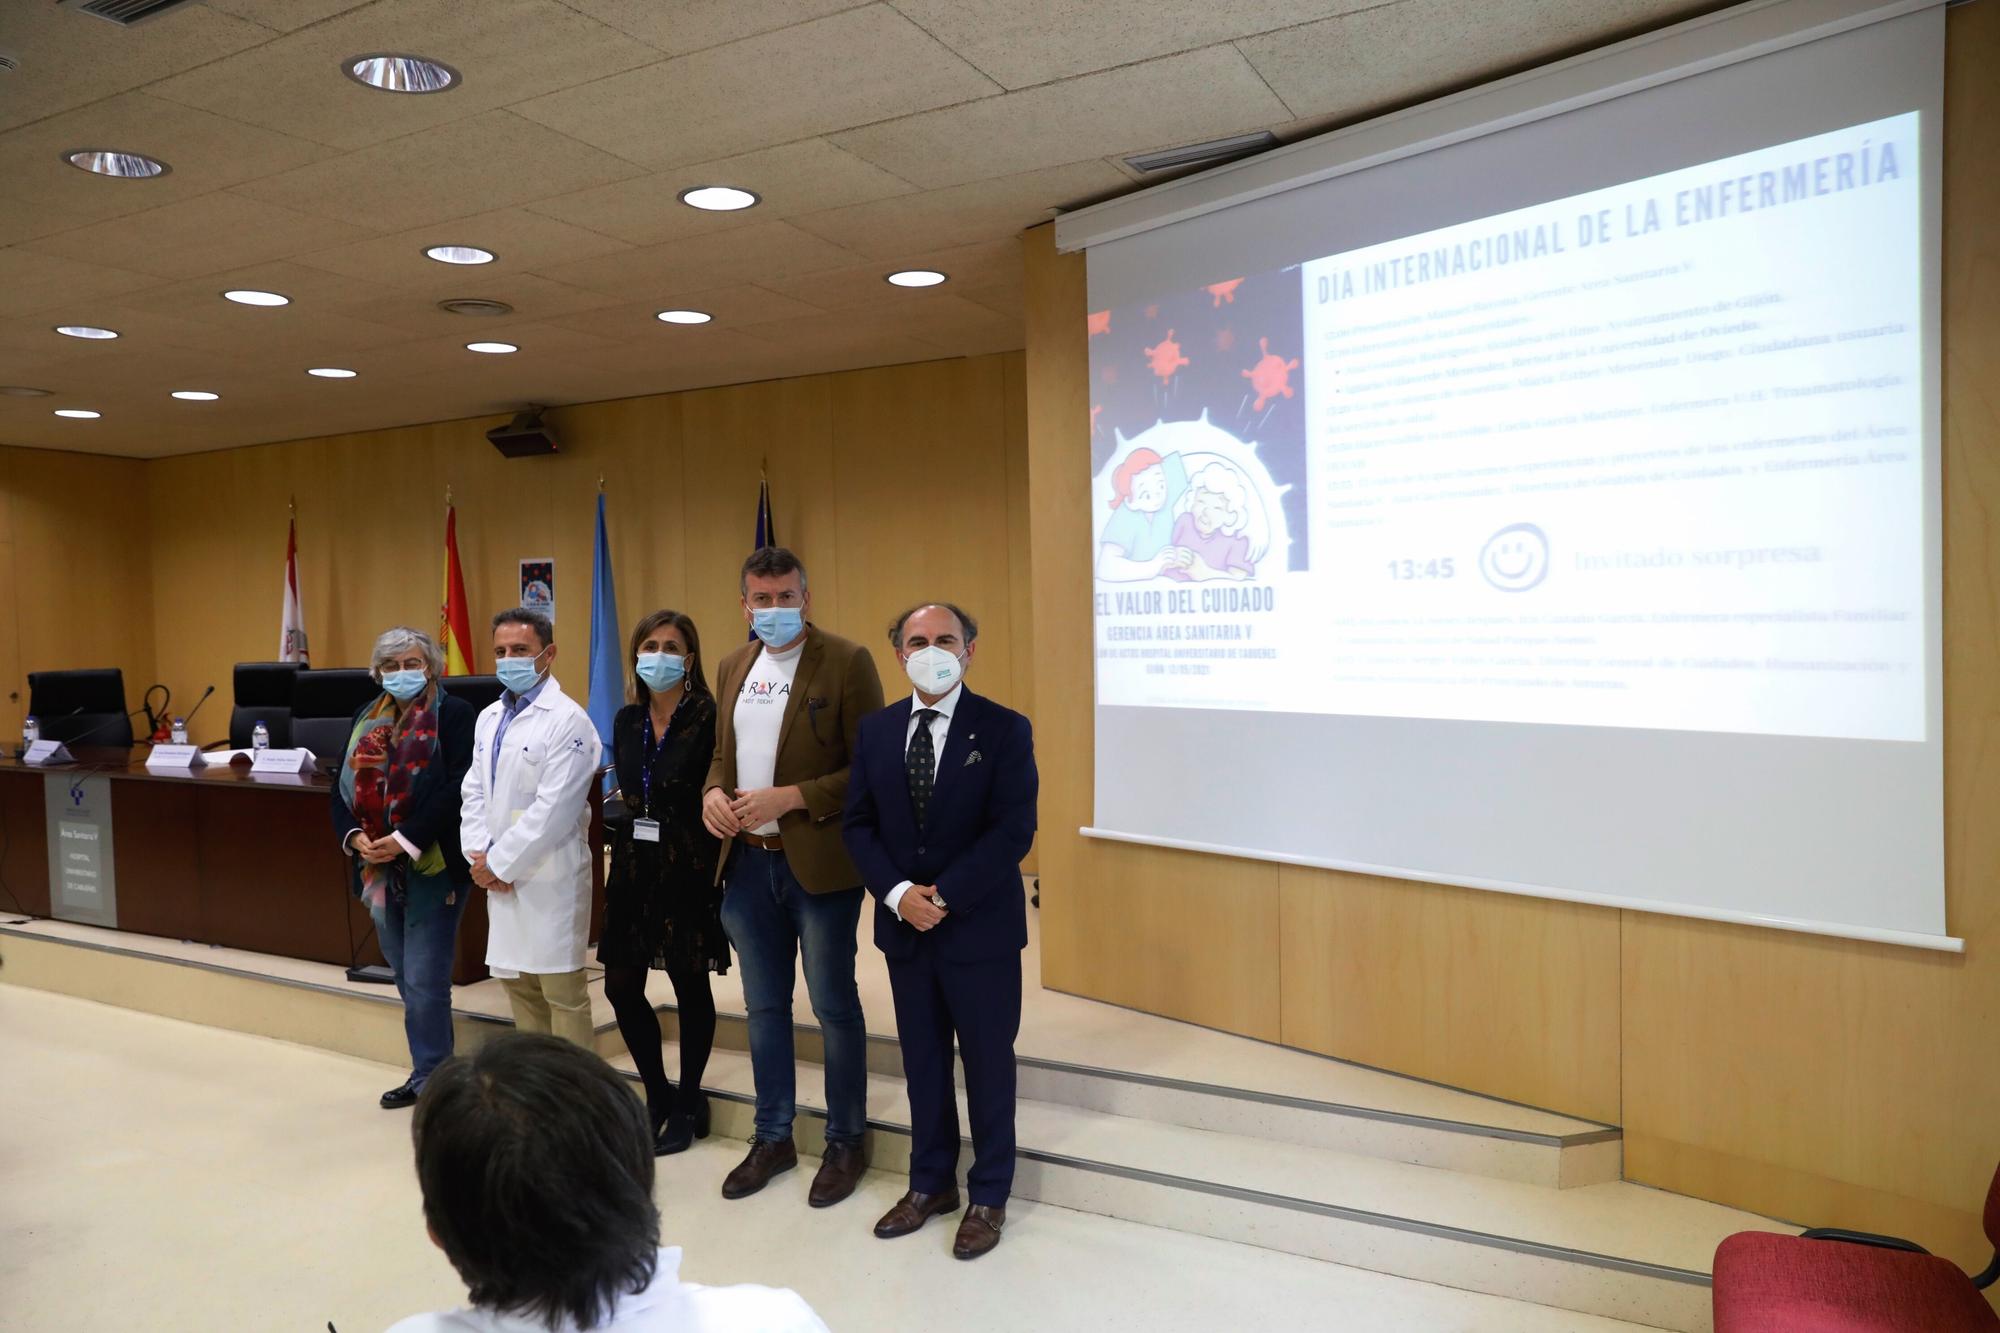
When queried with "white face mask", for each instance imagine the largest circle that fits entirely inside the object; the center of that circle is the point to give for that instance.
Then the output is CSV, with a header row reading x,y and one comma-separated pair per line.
x,y
933,670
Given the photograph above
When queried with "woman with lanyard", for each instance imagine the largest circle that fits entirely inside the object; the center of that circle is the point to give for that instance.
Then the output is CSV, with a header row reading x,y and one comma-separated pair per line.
x,y
662,909
395,811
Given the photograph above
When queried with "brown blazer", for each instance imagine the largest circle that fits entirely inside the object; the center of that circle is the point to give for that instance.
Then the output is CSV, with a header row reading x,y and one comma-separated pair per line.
x,y
836,686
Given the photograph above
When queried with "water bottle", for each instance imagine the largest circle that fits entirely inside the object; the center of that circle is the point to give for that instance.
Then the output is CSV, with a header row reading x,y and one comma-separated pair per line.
x,y
31,731
260,737
180,731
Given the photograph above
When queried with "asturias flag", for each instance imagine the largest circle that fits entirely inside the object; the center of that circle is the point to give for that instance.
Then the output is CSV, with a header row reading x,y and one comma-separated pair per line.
x,y
607,660
454,625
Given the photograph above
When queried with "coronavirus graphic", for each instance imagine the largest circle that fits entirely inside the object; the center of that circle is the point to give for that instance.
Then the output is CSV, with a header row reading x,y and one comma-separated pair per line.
x,y
1271,377
1224,291
1165,358
1098,322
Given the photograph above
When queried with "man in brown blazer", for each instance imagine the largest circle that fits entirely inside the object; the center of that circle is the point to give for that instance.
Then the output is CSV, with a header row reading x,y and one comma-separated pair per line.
x,y
789,705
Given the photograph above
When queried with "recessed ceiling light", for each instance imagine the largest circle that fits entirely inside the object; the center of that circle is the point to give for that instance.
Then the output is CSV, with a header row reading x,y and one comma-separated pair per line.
x,y
244,296
684,317
476,306
496,349
718,198
400,74
85,331
196,395
110,162
915,277
79,413
21,391
459,254
331,373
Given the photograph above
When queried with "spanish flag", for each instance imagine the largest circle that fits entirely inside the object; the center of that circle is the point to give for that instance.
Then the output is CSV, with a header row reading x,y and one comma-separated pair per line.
x,y
454,625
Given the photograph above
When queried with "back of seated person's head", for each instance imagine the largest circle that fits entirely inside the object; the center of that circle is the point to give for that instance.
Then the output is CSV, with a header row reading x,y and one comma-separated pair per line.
x,y
536,1165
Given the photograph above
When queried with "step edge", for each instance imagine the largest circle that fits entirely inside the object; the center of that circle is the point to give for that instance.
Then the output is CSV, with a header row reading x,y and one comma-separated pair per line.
x,y
1264,1198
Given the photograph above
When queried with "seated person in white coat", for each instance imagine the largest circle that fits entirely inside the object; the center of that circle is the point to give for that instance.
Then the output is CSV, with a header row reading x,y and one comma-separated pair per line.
x,y
525,827
536,1166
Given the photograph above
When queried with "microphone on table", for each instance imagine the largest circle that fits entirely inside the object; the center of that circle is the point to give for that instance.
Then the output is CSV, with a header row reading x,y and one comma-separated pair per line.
x,y
101,727
197,705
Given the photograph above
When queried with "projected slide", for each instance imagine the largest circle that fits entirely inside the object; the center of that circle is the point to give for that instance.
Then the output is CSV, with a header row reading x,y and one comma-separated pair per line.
x,y
1646,457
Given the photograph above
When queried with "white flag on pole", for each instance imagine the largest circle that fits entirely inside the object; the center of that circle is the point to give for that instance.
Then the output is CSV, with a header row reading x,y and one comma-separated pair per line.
x,y
292,638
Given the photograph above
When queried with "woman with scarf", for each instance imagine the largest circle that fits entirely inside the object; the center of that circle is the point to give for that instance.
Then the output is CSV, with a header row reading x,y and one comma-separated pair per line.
x,y
662,909
395,809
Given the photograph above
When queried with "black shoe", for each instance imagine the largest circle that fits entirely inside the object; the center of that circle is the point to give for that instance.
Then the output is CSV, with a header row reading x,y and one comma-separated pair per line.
x,y
395,1099
682,1129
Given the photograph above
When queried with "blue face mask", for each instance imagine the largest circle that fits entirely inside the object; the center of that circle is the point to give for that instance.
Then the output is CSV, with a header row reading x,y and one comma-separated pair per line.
x,y
777,625
404,685
661,671
518,674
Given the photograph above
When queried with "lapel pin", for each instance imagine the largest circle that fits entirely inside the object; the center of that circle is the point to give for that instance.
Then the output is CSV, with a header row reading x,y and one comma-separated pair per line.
x,y
971,759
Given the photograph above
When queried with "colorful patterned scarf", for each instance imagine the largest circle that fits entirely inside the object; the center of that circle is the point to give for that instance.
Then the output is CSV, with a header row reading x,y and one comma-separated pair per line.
x,y
385,754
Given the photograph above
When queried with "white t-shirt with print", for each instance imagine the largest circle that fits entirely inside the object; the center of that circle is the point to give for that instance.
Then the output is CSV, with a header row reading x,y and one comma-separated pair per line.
x,y
760,713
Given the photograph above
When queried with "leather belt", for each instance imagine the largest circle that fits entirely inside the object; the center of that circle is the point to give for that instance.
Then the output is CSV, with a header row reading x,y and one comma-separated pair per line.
x,y
759,840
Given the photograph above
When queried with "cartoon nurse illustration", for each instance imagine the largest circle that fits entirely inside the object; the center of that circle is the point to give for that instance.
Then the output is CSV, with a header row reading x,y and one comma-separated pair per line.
x,y
1138,539
1211,536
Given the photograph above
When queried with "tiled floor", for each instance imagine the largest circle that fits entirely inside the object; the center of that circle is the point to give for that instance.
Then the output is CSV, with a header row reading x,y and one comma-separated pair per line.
x,y
166,1176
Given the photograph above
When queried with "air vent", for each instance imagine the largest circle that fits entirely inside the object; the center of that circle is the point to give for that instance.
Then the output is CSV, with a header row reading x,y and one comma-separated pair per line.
x,y
124,13
472,305
8,64
1215,150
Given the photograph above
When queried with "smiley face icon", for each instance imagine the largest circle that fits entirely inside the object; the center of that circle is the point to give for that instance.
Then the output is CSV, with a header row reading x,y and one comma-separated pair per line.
x,y
1515,558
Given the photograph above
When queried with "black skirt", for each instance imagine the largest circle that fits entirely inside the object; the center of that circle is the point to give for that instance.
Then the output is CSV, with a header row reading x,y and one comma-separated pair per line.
x,y
662,906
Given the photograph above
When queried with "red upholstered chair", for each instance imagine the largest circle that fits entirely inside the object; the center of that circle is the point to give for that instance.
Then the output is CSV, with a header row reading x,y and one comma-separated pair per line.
x,y
1828,1281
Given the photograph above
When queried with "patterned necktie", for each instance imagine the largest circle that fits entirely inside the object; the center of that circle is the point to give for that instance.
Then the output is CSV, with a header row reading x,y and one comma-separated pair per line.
x,y
920,762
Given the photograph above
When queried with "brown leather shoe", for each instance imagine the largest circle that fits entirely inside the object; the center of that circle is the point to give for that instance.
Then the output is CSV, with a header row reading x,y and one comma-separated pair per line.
x,y
979,1232
839,1172
913,1210
754,1172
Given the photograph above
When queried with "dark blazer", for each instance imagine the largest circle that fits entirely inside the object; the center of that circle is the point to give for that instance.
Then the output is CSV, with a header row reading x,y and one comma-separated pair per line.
x,y
977,828
432,813
835,687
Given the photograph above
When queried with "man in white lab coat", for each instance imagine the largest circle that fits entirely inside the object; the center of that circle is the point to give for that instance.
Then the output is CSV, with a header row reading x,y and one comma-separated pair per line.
x,y
525,827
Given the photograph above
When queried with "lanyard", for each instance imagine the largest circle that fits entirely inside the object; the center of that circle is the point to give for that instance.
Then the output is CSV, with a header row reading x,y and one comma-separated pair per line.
x,y
651,752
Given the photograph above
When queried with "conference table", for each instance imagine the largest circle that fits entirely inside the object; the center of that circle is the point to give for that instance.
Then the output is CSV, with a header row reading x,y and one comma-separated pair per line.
x,y
214,855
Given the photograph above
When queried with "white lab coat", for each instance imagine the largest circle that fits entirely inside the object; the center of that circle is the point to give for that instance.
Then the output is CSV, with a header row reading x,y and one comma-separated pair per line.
x,y
532,819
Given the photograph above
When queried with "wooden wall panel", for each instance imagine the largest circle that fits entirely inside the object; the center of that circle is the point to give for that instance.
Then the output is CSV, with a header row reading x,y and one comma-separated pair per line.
x,y
1194,937
1840,1083
1514,996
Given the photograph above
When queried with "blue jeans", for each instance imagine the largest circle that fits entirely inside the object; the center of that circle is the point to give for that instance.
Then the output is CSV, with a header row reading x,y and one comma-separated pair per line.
x,y
770,918
420,953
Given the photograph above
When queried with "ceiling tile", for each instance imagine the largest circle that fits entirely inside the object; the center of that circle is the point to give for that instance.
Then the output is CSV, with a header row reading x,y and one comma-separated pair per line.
x,y
285,15
728,307
521,239
204,151
792,178
70,59
1403,53
1024,42
488,162
314,295
205,234
1178,99
864,65
694,25
533,298
982,211
756,252
504,50
31,283
983,265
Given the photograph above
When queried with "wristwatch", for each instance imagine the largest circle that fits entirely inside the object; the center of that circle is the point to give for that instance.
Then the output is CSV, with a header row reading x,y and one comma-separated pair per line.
x,y
938,898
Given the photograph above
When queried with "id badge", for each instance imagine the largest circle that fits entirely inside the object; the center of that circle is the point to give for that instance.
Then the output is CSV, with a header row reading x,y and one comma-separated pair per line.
x,y
646,830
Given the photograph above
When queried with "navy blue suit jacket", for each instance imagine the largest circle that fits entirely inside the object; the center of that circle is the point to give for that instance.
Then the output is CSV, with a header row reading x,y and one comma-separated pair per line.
x,y
976,830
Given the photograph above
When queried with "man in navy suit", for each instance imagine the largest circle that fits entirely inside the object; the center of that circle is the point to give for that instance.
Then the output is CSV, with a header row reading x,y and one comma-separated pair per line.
x,y
940,812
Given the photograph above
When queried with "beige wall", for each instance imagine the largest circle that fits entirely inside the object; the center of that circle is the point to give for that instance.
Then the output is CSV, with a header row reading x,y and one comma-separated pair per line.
x,y
894,484
1832,1082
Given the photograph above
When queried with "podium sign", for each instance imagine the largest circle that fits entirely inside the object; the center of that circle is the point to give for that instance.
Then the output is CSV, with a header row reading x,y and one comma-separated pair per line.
x,y
174,756
47,752
282,761
82,876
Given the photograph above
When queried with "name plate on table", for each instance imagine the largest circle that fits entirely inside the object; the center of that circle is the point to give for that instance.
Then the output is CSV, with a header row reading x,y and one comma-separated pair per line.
x,y
47,752
290,762
175,756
